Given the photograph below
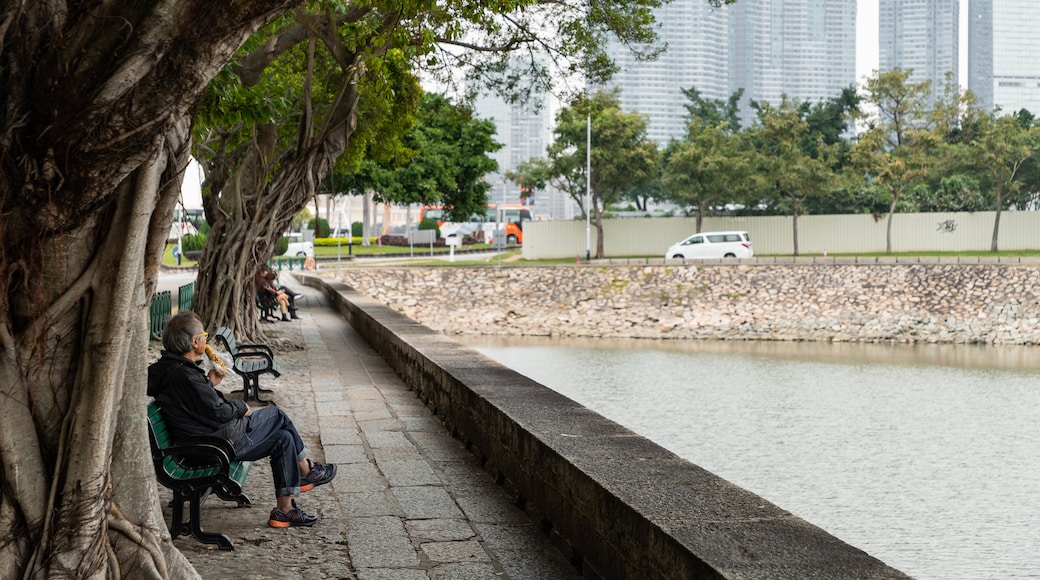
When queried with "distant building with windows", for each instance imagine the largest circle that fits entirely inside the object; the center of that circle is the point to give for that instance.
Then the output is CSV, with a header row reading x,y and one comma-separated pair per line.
x,y
923,36
805,49
524,132
697,56
1004,54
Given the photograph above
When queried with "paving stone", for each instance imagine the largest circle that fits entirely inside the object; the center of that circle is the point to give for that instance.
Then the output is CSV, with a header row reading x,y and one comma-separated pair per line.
x,y
409,472
467,571
369,504
383,439
439,530
426,503
391,574
463,551
380,542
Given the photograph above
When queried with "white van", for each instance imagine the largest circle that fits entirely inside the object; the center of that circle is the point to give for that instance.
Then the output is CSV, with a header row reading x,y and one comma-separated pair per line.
x,y
712,245
298,247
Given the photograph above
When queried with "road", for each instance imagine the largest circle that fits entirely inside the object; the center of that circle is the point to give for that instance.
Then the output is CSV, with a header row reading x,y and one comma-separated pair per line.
x,y
172,280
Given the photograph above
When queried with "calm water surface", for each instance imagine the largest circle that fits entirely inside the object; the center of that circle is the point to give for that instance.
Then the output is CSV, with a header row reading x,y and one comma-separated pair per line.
x,y
925,457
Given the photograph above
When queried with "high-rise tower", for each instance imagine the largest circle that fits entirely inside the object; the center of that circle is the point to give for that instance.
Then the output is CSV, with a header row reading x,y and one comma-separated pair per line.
x,y
805,49
921,35
696,56
1003,68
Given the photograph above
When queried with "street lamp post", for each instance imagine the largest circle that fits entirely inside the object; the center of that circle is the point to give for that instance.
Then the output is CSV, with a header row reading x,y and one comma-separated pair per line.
x,y
588,184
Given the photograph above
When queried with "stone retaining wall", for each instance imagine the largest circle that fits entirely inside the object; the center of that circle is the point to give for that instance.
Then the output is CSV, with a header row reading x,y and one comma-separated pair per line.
x,y
619,505
903,303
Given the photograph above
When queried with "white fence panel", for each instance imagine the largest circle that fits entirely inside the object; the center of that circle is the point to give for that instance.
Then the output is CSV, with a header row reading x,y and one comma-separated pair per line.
x,y
773,235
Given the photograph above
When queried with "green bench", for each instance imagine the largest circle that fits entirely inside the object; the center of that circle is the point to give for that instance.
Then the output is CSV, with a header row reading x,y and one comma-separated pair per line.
x,y
250,361
192,468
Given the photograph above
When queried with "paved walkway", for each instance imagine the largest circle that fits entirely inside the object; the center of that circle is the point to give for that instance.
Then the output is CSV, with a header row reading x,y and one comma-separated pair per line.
x,y
408,503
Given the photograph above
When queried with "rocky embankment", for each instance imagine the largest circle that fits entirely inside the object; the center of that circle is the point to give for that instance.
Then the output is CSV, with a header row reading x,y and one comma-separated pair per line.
x,y
901,303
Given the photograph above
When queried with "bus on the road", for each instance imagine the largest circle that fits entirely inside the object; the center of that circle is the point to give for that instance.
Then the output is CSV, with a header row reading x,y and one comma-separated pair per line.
x,y
502,216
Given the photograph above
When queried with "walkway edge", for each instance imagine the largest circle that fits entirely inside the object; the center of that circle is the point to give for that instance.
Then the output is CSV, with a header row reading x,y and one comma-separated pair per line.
x,y
620,505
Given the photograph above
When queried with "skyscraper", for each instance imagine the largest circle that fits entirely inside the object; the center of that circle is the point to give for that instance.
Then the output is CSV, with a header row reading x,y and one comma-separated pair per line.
x,y
1003,68
696,56
524,132
921,35
805,49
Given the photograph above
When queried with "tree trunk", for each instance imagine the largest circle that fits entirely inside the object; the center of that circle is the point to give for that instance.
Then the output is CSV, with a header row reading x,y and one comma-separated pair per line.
x,y
94,136
794,222
597,220
888,226
250,199
996,220
366,218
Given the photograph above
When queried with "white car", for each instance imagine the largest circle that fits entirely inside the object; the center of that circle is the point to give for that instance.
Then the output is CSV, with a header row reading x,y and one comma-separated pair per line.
x,y
712,245
298,247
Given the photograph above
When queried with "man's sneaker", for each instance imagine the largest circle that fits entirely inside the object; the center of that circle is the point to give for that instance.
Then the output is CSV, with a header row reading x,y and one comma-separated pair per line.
x,y
294,517
320,474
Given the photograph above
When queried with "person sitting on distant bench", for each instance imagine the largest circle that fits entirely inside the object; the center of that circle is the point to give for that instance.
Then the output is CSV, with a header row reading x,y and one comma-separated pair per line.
x,y
192,407
264,286
272,278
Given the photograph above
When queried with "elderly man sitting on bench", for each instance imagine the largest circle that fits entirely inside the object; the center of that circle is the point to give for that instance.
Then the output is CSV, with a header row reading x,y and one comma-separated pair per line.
x,y
192,406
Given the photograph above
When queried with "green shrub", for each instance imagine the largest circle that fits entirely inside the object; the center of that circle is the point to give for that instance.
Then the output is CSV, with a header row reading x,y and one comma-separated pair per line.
x,y
430,224
357,229
320,226
193,242
281,246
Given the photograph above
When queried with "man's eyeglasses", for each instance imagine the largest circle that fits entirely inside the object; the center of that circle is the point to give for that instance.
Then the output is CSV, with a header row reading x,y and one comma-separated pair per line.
x,y
202,335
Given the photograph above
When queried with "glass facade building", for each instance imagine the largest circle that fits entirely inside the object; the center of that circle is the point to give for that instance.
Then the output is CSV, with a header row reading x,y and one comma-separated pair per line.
x,y
696,56
524,132
923,36
1003,49
805,49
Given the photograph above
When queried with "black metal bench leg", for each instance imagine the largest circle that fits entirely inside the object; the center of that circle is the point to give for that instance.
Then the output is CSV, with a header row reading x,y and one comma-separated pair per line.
x,y
178,527
251,388
221,540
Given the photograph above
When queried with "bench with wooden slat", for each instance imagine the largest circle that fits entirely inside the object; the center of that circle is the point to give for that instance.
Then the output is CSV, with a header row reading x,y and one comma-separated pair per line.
x,y
250,361
192,468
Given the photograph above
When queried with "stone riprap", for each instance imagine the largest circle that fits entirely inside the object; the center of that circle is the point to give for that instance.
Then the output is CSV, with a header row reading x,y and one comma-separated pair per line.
x,y
901,303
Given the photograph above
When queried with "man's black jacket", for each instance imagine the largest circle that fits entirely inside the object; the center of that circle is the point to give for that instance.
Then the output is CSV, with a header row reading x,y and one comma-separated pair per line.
x,y
190,404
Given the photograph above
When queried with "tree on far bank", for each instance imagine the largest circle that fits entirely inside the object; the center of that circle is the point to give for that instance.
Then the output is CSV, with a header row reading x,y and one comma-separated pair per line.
x,y
784,168
622,158
1003,147
895,151
710,167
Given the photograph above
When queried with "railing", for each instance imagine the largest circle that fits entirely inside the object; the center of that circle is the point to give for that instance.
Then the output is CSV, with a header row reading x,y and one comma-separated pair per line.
x,y
160,312
186,297
290,263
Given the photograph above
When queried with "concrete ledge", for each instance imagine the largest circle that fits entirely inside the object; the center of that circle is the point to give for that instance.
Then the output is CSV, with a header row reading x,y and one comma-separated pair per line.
x,y
620,505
